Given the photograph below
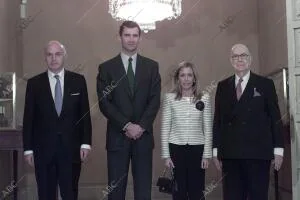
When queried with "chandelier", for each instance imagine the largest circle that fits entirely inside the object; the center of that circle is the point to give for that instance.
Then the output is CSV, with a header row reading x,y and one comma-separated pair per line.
x,y
145,12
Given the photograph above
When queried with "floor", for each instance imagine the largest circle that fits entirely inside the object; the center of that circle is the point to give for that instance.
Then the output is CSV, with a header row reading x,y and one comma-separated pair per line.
x,y
214,193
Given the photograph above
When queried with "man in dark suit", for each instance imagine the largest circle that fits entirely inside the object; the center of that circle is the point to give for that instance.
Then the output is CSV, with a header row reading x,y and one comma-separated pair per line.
x,y
247,132
56,126
128,89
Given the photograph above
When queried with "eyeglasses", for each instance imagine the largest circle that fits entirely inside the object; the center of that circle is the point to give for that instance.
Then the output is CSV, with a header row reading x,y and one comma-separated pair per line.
x,y
242,56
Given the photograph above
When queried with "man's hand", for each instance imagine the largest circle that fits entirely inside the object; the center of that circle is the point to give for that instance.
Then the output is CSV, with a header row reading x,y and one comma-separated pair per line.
x,y
29,159
134,131
131,131
84,154
277,162
128,135
218,163
140,133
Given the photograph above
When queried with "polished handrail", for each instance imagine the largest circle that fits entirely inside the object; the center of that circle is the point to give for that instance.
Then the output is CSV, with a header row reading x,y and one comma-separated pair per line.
x,y
284,71
277,71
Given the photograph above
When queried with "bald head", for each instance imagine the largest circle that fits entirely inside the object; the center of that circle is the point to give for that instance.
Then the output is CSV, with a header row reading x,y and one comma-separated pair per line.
x,y
55,54
240,47
57,44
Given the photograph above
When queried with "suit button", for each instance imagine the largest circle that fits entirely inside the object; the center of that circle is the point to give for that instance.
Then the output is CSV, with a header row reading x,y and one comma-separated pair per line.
x,y
249,109
243,123
229,123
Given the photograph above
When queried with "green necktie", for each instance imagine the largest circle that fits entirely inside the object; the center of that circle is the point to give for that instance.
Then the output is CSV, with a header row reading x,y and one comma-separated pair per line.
x,y
130,75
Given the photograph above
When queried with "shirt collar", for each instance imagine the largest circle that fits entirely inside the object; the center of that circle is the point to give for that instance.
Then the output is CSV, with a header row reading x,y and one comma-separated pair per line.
x,y
61,74
245,78
126,57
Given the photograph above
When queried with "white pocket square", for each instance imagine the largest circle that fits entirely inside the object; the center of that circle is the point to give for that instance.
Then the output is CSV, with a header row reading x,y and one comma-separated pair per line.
x,y
75,94
256,93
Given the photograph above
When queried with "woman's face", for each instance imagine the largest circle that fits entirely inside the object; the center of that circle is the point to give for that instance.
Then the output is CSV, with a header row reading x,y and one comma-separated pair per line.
x,y
186,78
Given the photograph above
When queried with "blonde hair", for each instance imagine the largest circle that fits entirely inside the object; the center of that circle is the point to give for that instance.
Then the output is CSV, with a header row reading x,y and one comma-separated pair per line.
x,y
177,88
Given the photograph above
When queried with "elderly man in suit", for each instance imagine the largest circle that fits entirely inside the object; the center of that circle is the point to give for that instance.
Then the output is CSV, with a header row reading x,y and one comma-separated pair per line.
x,y
56,126
247,130
128,87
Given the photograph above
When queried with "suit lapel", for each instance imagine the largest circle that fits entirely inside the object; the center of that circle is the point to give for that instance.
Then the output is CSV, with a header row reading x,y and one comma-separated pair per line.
x,y
246,96
232,91
230,99
66,91
138,72
121,75
248,92
48,92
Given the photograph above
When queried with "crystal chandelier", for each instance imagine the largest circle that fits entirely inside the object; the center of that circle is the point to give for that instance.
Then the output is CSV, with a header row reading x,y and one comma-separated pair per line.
x,y
145,12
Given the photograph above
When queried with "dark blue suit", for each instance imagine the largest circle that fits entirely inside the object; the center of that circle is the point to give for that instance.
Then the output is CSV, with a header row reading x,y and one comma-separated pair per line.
x,y
56,140
120,106
246,133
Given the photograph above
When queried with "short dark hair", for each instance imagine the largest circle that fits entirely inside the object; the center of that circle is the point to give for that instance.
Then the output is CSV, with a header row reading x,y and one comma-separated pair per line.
x,y
129,24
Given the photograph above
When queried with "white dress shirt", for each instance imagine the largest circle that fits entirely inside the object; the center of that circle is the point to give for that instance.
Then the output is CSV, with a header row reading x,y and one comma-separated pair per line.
x,y
277,150
125,61
244,82
52,81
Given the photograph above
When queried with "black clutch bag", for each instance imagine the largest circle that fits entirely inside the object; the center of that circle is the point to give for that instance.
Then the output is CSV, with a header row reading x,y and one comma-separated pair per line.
x,y
166,184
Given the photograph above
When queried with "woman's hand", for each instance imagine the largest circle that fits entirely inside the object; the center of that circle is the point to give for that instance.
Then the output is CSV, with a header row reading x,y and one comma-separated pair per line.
x,y
204,163
169,163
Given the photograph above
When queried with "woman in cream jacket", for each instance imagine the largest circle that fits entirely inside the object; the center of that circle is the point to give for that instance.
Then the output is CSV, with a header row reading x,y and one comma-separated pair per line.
x,y
186,133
